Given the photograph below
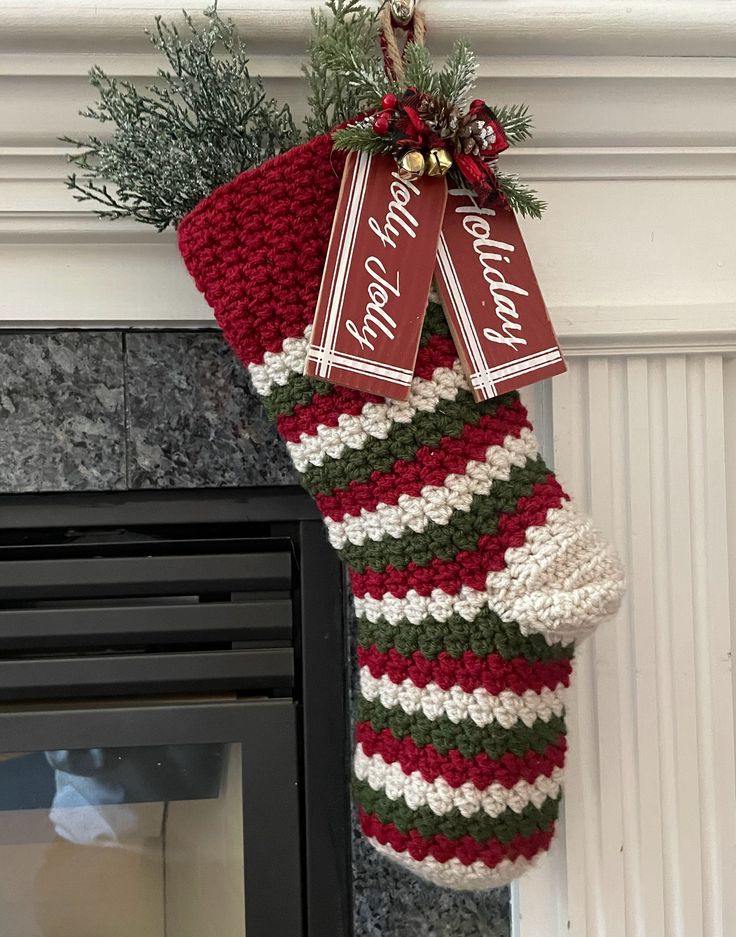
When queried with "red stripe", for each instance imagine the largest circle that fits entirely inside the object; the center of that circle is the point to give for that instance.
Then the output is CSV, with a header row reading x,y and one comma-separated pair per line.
x,y
325,409
430,465
469,567
453,767
470,672
256,247
465,848
438,352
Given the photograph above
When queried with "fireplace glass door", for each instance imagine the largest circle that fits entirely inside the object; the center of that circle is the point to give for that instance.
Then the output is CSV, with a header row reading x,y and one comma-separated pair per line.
x,y
173,731
149,840
144,841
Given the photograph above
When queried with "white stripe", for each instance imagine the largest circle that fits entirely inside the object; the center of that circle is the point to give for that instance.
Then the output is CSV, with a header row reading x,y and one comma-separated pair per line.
x,y
481,707
560,583
516,368
454,874
279,366
415,608
436,503
344,258
390,368
527,359
357,365
441,798
376,419
467,327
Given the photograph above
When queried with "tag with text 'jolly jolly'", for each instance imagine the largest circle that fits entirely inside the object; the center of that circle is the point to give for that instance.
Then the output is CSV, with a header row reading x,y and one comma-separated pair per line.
x,y
492,301
380,262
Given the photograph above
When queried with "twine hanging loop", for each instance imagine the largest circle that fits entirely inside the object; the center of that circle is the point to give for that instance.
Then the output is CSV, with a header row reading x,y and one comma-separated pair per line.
x,y
399,14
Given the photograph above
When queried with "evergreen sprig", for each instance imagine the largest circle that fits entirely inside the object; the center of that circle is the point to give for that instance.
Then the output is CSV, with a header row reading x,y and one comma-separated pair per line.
x,y
204,121
206,118
456,81
419,71
345,69
361,138
345,31
521,197
516,122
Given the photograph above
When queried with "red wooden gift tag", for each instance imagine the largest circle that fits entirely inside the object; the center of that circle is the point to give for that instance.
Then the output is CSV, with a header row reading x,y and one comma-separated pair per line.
x,y
492,300
379,268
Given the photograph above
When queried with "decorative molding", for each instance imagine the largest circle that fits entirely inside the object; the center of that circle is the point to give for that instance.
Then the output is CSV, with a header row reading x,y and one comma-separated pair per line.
x,y
26,170
511,27
629,102
608,85
279,63
654,330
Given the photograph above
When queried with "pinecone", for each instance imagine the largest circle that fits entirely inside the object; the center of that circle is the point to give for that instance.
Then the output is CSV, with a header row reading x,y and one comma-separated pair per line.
x,y
474,136
439,116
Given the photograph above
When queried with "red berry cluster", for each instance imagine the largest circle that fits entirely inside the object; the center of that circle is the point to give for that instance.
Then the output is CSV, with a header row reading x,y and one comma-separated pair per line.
x,y
383,120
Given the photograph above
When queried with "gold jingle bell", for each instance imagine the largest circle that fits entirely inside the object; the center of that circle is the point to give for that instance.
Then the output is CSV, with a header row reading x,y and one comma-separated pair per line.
x,y
411,166
439,162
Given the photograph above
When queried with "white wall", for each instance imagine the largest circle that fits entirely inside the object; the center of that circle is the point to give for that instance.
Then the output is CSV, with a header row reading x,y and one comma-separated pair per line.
x,y
635,151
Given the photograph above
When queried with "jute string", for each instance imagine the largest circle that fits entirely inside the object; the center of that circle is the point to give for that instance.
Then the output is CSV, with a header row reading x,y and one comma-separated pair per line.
x,y
393,54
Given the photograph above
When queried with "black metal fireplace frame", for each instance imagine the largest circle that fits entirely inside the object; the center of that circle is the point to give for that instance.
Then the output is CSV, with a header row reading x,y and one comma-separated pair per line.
x,y
319,689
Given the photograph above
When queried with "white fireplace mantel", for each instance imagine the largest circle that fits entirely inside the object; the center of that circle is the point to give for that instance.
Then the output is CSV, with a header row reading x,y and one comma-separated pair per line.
x,y
635,151
538,27
634,104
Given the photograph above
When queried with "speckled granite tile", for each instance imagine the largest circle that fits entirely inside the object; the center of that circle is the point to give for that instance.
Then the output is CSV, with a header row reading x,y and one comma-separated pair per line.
x,y
61,411
193,419
391,902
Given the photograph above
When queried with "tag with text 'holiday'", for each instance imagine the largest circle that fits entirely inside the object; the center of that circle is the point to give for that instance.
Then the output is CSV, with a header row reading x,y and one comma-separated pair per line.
x,y
379,268
492,300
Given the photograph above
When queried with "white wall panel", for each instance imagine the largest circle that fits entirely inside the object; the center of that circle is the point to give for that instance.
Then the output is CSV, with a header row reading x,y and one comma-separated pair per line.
x,y
650,817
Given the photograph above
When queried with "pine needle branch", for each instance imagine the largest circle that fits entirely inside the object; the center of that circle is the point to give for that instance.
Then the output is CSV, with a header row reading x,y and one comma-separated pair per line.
x,y
522,199
456,81
361,139
516,121
419,71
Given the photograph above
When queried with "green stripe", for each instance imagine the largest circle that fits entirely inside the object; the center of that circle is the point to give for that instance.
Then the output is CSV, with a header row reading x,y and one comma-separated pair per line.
x,y
461,532
465,736
300,389
435,323
505,827
297,390
486,634
403,439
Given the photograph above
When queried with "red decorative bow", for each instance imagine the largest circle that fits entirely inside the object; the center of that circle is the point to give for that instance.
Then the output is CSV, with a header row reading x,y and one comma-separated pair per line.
x,y
416,121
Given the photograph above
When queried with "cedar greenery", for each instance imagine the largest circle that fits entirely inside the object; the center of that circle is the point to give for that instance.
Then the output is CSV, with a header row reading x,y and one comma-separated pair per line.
x,y
347,30
206,118
204,121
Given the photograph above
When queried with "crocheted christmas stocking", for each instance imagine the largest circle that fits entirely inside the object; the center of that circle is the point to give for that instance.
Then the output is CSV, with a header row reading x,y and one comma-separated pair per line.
x,y
471,572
